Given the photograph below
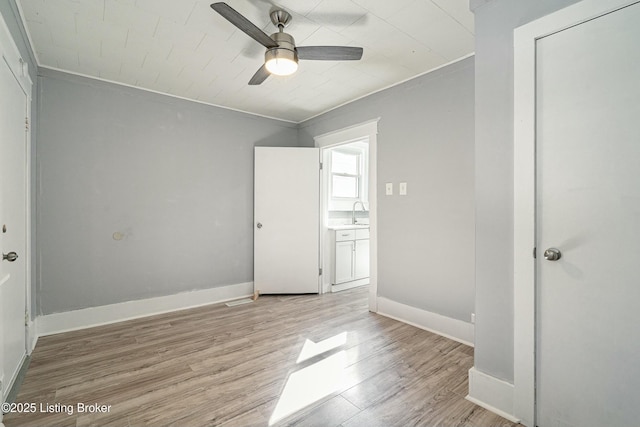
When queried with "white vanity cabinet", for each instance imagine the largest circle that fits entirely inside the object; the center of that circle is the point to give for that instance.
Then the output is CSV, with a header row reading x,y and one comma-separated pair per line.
x,y
350,257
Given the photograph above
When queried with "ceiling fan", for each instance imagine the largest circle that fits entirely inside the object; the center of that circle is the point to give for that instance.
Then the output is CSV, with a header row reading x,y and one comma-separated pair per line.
x,y
281,57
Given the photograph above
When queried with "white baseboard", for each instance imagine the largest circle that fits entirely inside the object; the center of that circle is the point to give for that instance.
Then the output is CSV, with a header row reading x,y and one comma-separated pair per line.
x,y
349,285
492,394
32,335
448,327
95,316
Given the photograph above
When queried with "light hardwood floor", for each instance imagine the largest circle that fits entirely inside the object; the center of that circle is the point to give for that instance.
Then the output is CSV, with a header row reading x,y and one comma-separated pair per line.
x,y
255,364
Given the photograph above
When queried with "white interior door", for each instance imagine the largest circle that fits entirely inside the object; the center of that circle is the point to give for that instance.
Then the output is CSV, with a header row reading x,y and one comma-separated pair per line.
x,y
588,207
286,220
13,108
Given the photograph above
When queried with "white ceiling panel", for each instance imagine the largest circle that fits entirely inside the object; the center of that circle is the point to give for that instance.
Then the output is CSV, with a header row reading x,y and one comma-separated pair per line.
x,y
176,11
434,28
126,16
458,10
383,8
337,14
186,49
300,7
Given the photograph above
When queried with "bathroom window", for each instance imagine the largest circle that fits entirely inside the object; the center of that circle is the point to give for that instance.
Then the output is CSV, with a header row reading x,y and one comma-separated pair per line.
x,y
346,175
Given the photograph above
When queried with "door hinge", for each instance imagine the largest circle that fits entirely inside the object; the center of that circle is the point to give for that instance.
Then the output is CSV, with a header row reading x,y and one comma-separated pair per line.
x,y
26,318
534,252
320,165
26,123
319,272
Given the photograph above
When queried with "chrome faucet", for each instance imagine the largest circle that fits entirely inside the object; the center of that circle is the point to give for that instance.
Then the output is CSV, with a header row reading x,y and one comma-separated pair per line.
x,y
353,211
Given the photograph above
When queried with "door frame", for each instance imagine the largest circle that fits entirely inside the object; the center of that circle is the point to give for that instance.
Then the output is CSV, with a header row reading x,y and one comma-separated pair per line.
x,y
524,203
365,130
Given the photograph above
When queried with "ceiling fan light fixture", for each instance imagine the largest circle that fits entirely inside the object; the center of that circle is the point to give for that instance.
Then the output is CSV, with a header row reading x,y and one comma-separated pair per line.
x,y
281,62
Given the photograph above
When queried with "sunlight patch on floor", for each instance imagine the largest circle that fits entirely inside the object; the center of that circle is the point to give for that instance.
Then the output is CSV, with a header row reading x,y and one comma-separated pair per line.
x,y
313,382
311,349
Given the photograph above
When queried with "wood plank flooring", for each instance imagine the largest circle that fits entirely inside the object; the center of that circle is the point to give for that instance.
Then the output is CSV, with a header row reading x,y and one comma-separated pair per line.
x,y
309,360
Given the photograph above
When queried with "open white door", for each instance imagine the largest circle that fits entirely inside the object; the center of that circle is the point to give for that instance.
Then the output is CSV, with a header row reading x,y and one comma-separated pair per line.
x,y
13,155
286,220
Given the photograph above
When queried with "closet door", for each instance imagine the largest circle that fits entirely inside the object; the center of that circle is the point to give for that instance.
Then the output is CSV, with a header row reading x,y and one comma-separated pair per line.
x,y
13,208
588,230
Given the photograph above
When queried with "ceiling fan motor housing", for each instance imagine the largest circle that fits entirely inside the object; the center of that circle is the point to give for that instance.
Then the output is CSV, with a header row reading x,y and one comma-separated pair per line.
x,y
286,48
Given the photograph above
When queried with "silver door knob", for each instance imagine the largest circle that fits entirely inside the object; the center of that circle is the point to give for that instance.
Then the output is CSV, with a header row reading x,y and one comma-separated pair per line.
x,y
552,254
11,256
259,225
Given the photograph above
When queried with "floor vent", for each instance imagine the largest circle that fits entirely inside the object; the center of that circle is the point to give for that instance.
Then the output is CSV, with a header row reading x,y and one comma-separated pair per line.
x,y
238,302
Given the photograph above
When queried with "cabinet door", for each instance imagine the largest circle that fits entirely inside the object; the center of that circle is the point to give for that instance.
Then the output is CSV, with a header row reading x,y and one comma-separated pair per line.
x,y
344,261
362,259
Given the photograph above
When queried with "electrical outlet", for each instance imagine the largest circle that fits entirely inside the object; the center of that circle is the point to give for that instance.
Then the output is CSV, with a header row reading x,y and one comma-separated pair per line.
x,y
473,318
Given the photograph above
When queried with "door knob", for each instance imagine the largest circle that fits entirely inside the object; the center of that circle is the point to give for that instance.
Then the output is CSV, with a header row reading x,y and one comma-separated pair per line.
x,y
11,256
259,225
552,254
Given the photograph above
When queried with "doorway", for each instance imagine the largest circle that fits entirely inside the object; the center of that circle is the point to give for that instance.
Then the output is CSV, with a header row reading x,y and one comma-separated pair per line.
x,y
348,207
345,223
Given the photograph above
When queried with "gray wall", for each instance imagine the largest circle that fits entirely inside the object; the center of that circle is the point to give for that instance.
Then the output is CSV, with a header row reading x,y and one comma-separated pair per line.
x,y
174,177
11,17
494,24
425,239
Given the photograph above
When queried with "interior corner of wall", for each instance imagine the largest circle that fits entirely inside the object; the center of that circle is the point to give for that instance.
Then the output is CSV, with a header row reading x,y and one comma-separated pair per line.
x,y
475,4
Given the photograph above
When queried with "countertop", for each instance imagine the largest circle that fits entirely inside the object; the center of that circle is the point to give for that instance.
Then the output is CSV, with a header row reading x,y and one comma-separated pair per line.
x,y
347,226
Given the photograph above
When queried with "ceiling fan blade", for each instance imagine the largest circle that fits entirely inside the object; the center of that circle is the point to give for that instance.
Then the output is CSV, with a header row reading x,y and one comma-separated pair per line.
x,y
329,53
260,76
233,16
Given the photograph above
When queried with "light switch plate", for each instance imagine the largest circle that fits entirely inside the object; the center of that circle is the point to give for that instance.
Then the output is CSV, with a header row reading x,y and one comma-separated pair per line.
x,y
403,189
389,188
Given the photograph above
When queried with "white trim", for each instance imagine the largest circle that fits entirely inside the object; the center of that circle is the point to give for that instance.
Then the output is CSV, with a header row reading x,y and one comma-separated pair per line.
x,y
112,313
27,32
525,38
524,230
32,335
9,51
350,285
448,327
365,130
462,58
26,28
349,134
28,227
166,94
492,394
249,112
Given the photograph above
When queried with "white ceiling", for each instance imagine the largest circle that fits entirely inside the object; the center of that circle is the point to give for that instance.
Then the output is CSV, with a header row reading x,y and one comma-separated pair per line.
x,y
184,48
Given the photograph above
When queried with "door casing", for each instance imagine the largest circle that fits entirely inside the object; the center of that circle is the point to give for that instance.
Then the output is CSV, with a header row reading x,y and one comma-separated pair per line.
x,y
366,130
524,229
